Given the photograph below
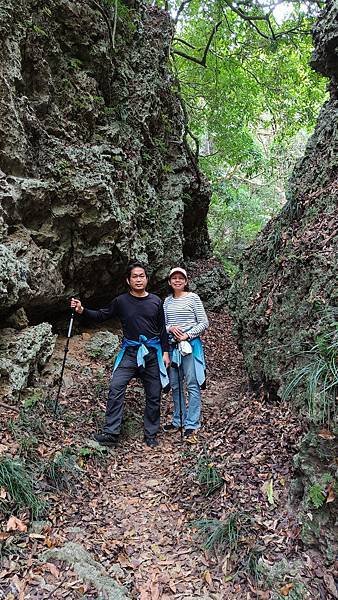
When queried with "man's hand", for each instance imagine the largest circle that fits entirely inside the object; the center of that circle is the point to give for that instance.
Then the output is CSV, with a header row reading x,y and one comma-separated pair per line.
x,y
166,359
76,304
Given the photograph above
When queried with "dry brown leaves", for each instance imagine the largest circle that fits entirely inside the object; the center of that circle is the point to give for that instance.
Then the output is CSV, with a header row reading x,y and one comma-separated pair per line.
x,y
133,507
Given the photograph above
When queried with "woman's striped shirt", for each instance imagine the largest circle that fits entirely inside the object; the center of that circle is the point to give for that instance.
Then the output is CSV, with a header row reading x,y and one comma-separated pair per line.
x,y
186,312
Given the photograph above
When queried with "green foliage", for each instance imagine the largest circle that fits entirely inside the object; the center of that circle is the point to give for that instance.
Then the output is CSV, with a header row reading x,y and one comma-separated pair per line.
x,y
92,451
75,63
28,445
316,495
218,534
252,108
39,31
208,476
317,492
18,483
253,564
319,376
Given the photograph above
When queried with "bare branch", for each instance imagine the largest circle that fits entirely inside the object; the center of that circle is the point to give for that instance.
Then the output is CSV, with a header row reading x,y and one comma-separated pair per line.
x,y
180,9
184,42
201,61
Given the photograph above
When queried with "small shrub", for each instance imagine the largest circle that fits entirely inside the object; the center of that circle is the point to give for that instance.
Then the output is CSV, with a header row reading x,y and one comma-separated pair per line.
x,y
18,483
91,452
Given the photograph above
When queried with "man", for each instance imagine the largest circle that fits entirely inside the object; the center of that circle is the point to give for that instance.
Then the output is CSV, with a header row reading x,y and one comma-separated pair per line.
x,y
144,353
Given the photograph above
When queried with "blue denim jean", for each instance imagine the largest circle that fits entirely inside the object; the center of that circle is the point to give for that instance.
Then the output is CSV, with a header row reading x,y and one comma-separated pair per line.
x,y
191,407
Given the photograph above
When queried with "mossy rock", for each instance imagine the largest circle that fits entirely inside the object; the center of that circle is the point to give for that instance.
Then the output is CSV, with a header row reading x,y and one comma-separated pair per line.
x,y
103,345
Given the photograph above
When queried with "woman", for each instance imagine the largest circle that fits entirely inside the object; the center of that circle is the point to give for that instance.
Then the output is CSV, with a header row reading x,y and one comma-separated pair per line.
x,y
185,320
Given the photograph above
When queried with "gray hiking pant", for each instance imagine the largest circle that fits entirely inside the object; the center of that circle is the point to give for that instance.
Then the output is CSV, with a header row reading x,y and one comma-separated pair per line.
x,y
150,377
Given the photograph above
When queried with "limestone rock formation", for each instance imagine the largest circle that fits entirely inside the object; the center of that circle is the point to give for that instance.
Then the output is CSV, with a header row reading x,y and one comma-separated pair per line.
x,y
22,356
286,291
94,168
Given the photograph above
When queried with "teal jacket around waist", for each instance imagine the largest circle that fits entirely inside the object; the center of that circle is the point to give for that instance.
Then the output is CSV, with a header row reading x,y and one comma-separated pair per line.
x,y
143,344
198,356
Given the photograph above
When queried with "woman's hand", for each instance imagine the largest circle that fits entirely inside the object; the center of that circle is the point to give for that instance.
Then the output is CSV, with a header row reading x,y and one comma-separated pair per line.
x,y
182,337
166,359
76,304
176,331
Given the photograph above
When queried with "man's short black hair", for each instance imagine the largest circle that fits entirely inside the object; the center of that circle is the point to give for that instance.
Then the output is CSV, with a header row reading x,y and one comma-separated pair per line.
x,y
135,264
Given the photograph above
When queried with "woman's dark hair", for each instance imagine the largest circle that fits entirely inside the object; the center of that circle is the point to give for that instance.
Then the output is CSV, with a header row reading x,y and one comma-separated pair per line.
x,y
135,264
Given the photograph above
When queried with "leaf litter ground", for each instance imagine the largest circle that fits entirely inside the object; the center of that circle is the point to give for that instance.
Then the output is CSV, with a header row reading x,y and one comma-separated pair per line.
x,y
140,513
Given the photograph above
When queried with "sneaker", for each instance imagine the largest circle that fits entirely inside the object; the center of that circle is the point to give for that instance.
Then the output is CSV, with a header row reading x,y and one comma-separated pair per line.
x,y
152,442
189,432
170,428
107,439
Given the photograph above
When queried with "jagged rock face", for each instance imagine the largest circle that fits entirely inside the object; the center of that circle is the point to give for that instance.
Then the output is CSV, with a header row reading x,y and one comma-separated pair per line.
x,y
93,164
289,275
22,356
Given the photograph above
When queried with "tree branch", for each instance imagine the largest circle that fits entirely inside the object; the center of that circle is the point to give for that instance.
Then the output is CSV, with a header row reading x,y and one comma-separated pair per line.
x,y
180,9
201,61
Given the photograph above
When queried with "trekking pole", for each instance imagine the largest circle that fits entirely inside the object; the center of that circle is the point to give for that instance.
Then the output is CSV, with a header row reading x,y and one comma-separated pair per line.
x,y
180,400
180,395
70,327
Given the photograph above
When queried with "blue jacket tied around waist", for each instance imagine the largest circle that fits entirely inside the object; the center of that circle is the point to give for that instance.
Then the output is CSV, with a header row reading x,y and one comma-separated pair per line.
x,y
198,356
143,344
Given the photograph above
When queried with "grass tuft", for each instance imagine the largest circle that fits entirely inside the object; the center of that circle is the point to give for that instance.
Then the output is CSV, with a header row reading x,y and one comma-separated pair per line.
x,y
18,483
319,376
208,476
217,533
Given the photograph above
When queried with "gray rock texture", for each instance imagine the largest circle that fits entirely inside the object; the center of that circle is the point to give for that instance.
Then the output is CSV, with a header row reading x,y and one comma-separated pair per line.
x,y
88,569
104,345
284,300
288,278
22,356
94,168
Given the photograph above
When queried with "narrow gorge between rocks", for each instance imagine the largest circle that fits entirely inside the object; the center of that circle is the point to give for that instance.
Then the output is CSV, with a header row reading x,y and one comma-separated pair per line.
x,y
97,167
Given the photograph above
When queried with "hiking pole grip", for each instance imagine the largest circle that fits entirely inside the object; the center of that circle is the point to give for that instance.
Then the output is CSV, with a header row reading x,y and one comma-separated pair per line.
x,y
71,323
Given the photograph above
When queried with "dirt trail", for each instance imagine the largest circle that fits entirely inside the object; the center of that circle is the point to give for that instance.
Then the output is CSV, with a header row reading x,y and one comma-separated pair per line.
x,y
134,508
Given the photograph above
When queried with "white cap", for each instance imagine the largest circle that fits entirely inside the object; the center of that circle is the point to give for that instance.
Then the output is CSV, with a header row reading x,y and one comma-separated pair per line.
x,y
178,270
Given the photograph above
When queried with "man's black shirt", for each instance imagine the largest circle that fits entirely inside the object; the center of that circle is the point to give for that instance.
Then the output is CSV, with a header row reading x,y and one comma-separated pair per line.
x,y
138,316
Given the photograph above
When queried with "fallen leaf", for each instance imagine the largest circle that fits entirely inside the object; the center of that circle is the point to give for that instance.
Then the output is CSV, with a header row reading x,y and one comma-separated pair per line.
x,y
208,578
331,496
267,488
14,524
286,589
52,569
326,434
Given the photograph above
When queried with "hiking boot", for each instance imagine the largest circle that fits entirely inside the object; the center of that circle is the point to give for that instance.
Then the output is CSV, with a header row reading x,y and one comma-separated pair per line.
x,y
170,428
190,436
107,439
152,442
